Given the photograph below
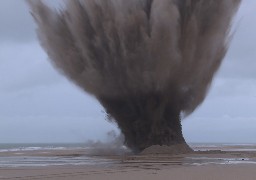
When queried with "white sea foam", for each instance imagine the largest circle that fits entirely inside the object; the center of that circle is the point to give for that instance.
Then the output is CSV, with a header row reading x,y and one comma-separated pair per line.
x,y
32,149
39,147
28,161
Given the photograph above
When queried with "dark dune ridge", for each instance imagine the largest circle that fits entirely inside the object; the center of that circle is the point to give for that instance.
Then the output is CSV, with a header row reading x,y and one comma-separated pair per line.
x,y
146,61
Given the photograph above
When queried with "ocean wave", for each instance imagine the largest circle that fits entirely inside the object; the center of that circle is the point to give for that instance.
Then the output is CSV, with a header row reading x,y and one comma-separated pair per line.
x,y
38,147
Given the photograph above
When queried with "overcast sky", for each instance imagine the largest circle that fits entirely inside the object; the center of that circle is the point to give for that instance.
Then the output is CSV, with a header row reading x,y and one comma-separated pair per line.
x,y
39,105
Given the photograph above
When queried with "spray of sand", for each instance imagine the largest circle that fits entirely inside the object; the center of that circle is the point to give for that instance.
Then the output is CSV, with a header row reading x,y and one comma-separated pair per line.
x,y
146,61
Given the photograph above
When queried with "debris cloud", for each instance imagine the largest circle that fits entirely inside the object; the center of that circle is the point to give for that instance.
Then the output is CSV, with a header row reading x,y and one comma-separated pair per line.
x,y
146,61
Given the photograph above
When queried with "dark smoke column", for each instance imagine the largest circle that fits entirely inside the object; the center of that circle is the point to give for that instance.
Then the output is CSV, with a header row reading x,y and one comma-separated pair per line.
x,y
146,61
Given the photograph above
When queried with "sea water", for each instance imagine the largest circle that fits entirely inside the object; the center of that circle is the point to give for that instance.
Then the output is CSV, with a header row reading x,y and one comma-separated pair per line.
x,y
24,155
12,147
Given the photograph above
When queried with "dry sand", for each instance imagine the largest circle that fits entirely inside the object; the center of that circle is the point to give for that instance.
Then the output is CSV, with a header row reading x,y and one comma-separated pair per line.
x,y
204,165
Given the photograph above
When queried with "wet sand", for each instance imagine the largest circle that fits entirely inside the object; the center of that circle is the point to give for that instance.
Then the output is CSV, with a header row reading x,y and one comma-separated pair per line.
x,y
225,172
200,165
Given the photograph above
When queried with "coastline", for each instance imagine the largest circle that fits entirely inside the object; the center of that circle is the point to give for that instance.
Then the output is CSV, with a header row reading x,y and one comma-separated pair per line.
x,y
76,164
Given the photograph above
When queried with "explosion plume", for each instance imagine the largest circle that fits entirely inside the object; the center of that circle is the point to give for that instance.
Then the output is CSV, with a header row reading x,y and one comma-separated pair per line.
x,y
146,61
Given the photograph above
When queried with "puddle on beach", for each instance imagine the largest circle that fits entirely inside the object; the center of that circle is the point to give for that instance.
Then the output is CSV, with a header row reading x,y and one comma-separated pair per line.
x,y
207,160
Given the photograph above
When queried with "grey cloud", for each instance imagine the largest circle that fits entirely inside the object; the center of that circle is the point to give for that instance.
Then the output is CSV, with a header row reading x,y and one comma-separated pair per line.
x,y
240,61
233,87
21,69
232,130
232,97
60,100
16,22
48,129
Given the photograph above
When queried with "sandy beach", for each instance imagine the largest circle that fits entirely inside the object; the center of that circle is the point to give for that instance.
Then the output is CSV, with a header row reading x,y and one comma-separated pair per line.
x,y
200,165
227,172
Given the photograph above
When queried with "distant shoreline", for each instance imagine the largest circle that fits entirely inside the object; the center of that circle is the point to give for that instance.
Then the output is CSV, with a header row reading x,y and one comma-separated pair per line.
x,y
224,162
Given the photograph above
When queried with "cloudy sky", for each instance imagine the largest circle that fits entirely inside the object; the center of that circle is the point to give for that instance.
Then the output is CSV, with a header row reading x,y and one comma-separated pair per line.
x,y
37,104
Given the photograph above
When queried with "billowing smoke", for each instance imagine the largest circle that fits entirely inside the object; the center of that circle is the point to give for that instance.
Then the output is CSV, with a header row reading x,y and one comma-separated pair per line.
x,y
146,61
